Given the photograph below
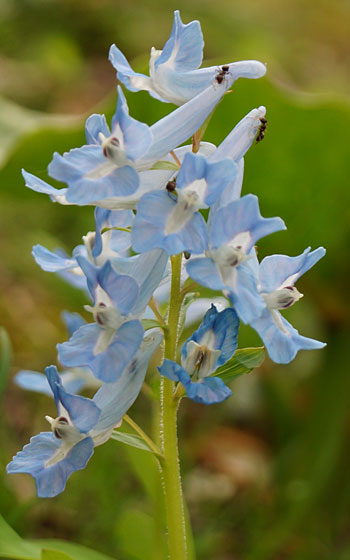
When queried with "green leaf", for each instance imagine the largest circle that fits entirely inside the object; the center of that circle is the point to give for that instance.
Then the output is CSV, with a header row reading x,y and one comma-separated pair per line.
x,y
71,550
130,439
142,547
13,546
243,361
5,358
164,165
47,554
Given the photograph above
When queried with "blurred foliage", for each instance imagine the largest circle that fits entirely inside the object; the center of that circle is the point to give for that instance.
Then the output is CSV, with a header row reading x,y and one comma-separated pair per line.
x,y
266,472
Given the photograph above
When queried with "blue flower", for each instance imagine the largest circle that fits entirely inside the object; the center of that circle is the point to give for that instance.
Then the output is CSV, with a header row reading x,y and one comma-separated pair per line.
x,y
97,248
277,276
81,424
233,232
173,223
120,293
174,74
210,346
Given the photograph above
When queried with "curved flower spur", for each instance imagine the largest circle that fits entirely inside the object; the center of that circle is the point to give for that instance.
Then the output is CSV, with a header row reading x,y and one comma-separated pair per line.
x,y
81,425
175,76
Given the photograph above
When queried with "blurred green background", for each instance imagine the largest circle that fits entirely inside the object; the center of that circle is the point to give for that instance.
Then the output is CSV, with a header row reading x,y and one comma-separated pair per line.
x,y
266,473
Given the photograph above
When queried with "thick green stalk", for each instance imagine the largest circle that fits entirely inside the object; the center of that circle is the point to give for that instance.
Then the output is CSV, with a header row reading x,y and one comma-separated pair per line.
x,y
169,405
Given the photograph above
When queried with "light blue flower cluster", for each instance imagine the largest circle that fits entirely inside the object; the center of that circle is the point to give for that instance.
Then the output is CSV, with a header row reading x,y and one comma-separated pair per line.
x,y
149,195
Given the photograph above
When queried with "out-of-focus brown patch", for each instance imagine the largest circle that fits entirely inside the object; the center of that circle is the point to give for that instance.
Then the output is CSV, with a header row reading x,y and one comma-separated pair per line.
x,y
243,457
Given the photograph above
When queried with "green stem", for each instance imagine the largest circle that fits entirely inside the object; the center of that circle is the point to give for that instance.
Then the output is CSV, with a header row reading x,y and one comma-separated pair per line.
x,y
169,405
144,436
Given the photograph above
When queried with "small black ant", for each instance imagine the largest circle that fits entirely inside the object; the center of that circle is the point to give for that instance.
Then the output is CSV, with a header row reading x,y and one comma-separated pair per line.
x,y
171,186
221,75
261,131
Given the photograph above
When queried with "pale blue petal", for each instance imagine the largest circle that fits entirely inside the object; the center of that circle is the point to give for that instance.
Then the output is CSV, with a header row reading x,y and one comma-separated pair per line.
x,y
174,372
147,269
137,136
149,228
275,270
82,411
124,70
90,272
231,192
122,181
184,49
35,381
108,365
114,399
121,288
93,126
41,186
178,126
205,272
242,215
217,175
245,296
73,321
52,261
73,165
50,481
211,390
238,142
282,347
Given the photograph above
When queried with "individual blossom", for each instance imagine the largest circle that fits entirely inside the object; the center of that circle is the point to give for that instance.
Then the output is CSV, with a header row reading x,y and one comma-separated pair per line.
x,y
226,265
210,346
172,221
81,425
120,293
277,275
174,73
